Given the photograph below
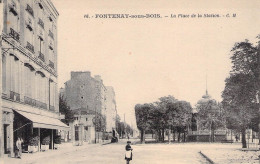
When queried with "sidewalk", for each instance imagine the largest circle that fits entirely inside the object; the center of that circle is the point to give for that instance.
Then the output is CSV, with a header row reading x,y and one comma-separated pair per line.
x,y
38,156
230,153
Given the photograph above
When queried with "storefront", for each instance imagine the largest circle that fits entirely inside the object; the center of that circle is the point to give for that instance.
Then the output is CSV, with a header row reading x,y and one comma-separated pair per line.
x,y
28,126
37,125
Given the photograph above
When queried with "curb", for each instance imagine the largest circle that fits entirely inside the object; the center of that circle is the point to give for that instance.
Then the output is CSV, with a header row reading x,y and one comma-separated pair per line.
x,y
207,158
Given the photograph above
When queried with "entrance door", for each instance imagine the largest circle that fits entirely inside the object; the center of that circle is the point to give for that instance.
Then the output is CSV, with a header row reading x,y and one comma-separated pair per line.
x,y
5,139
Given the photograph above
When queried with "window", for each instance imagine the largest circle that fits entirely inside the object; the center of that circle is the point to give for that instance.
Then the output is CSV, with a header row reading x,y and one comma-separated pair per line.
x,y
4,73
86,119
30,36
41,23
14,74
29,9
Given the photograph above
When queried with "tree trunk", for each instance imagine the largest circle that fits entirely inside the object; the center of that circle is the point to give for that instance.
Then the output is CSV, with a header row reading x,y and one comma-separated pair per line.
x,y
184,135
174,136
142,136
179,136
169,135
159,135
162,135
243,138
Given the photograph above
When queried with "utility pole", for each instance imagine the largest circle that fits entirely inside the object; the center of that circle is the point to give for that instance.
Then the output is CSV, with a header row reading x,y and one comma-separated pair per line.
x,y
124,126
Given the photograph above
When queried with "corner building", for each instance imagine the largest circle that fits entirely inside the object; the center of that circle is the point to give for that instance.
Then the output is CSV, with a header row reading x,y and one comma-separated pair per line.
x,y
29,73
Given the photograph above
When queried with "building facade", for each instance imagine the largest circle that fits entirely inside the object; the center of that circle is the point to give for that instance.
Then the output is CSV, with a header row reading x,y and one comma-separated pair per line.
x,y
29,72
110,109
86,96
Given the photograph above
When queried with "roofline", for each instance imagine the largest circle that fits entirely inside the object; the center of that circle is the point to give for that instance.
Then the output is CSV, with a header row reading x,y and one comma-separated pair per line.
x,y
53,7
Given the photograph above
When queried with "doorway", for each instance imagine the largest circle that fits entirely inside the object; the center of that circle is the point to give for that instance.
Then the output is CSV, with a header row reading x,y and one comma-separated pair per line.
x,y
6,151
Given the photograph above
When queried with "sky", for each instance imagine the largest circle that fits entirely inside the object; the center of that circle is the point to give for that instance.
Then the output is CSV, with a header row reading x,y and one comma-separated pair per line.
x,y
145,59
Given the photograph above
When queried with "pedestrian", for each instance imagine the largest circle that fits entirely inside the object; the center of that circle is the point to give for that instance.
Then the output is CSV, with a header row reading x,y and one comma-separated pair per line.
x,y
19,147
128,153
236,138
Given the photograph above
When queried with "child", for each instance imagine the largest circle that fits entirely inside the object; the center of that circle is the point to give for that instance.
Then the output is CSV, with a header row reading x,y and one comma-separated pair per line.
x,y
128,153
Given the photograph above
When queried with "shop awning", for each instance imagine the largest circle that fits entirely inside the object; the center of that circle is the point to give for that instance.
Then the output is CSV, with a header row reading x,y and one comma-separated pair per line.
x,y
40,121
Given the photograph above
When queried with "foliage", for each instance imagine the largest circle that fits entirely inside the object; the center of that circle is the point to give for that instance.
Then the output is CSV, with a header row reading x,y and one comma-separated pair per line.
x,y
100,122
33,141
57,139
46,140
65,109
166,114
242,86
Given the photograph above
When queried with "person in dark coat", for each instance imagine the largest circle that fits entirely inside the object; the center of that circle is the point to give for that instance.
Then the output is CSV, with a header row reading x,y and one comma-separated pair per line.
x,y
128,154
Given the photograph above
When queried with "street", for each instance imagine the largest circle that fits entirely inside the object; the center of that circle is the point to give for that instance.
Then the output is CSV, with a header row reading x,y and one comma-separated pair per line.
x,y
114,154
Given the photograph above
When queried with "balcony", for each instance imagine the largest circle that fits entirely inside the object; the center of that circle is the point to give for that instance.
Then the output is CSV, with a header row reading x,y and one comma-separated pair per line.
x,y
30,47
14,34
41,56
14,96
52,108
41,23
51,34
51,64
29,9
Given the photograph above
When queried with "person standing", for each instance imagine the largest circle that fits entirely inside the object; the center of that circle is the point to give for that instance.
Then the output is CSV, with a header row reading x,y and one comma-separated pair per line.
x,y
128,154
19,147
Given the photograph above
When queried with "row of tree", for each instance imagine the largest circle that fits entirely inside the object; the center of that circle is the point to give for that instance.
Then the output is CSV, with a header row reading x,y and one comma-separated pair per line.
x,y
122,128
166,115
240,96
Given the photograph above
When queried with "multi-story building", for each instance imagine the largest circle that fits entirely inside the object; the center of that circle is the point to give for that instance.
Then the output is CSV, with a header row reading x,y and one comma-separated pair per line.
x,y
29,72
86,96
110,109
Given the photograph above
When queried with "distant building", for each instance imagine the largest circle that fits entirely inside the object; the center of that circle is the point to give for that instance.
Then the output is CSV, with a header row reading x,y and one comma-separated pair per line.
x,y
29,105
86,96
200,132
110,109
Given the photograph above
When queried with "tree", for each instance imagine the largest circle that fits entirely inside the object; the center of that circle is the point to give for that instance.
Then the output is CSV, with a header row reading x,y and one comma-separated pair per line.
x,y
239,102
182,117
246,60
142,115
65,110
242,87
165,116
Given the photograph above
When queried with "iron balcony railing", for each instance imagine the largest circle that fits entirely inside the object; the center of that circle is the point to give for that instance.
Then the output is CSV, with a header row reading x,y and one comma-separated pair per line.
x,y
14,34
14,96
41,56
29,9
30,47
51,64
41,23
